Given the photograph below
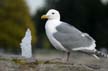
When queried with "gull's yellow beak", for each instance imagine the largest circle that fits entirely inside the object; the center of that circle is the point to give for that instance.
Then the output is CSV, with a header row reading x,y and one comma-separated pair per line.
x,y
44,17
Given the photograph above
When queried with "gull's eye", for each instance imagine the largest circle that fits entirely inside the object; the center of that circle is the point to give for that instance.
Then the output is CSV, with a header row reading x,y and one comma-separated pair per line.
x,y
53,13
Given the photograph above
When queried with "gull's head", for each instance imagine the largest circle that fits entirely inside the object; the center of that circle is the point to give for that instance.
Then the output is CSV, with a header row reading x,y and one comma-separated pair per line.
x,y
52,14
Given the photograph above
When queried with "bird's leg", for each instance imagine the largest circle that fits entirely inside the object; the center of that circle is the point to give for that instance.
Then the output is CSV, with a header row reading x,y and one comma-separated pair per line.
x,y
67,56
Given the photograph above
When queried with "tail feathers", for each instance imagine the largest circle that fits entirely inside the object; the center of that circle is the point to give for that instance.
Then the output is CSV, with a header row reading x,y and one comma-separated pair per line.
x,y
101,54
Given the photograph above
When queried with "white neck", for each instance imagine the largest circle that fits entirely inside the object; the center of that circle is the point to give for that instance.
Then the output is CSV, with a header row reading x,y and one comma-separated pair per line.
x,y
51,25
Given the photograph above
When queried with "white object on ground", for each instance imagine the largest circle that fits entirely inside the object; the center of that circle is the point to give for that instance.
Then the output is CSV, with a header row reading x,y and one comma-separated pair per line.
x,y
26,49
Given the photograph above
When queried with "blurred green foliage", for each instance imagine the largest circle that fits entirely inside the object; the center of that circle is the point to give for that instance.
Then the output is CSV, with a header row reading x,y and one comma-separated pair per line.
x,y
40,27
14,20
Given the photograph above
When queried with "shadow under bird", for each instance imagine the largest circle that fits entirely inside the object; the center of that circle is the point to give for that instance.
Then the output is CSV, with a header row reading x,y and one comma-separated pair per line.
x,y
66,37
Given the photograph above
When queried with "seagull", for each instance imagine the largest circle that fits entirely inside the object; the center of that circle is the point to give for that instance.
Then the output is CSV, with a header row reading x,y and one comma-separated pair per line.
x,y
66,37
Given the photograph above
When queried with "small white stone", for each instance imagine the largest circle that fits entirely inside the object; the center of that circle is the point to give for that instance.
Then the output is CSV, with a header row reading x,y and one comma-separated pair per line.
x,y
26,49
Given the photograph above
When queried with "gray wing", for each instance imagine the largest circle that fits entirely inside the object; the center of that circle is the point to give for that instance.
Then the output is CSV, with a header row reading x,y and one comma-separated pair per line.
x,y
70,37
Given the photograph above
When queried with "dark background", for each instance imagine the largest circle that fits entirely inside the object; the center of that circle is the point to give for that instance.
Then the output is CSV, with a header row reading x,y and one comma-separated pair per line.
x,y
90,16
